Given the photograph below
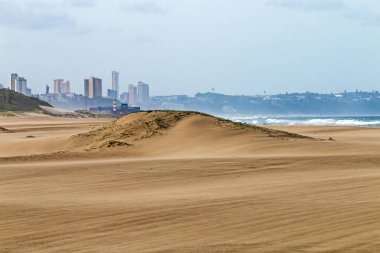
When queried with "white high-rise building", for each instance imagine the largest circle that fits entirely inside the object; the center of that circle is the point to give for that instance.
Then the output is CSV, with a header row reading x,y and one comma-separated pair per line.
x,y
61,87
65,87
57,85
115,83
21,86
132,95
143,93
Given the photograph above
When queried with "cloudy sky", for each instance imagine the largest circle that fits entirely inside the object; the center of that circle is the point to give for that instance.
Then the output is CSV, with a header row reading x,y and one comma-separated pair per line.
x,y
186,46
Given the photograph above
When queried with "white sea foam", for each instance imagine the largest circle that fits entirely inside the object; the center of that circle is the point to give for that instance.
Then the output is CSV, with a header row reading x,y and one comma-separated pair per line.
x,y
245,118
282,121
356,123
323,122
339,121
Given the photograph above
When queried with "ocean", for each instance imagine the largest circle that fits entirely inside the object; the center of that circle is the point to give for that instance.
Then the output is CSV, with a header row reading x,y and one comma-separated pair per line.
x,y
308,120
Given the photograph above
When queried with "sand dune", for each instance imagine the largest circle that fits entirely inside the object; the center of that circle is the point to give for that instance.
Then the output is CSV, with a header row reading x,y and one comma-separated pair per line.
x,y
186,183
180,134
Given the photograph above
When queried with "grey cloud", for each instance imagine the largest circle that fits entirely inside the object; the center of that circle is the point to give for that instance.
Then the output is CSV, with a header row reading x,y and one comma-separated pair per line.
x,y
79,31
35,15
145,7
309,5
80,3
23,19
36,22
366,17
144,39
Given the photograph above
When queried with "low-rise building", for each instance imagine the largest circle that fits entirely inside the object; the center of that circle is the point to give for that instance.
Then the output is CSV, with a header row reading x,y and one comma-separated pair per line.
x,y
111,93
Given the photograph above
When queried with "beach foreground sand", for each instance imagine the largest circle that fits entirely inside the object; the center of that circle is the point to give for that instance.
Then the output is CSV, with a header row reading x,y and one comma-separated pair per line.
x,y
189,190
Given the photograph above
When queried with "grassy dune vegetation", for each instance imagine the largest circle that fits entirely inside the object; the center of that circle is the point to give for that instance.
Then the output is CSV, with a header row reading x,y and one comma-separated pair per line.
x,y
14,101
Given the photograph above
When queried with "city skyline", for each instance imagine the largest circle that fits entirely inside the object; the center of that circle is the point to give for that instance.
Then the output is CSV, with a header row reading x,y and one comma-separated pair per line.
x,y
239,47
60,90
60,86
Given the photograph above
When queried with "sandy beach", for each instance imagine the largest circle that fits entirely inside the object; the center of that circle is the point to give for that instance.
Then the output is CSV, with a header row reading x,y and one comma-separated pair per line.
x,y
195,185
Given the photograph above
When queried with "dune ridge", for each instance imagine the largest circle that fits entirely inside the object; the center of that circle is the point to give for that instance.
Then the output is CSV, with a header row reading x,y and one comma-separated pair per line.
x,y
133,128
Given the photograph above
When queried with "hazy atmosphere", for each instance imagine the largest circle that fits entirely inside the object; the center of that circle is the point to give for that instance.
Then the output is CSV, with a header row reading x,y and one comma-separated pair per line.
x,y
186,46
189,126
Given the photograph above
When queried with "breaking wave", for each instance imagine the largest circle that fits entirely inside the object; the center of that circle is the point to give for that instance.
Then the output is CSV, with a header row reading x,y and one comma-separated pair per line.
x,y
315,121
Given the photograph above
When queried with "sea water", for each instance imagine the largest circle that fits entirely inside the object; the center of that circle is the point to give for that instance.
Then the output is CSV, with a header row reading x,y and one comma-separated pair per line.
x,y
309,120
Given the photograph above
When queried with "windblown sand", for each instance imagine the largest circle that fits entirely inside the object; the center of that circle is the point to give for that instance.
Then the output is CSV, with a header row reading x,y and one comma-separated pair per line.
x,y
195,185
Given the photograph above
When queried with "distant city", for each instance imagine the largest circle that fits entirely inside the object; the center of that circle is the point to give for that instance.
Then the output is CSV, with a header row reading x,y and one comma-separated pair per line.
x,y
59,93
137,97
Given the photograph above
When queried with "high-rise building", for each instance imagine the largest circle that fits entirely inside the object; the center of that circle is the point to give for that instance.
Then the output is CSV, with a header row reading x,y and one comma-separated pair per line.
x,y
86,87
47,89
97,87
61,87
132,95
115,83
57,85
143,93
1,86
65,87
13,81
93,87
21,85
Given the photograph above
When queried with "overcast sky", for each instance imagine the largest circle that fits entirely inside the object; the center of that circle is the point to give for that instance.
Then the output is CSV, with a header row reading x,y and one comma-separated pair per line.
x,y
186,46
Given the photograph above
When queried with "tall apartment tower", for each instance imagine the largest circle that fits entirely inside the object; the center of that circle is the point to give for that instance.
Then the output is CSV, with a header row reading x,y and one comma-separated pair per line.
x,y
61,87
132,95
21,85
65,87
143,93
57,85
86,87
93,87
96,87
13,81
115,83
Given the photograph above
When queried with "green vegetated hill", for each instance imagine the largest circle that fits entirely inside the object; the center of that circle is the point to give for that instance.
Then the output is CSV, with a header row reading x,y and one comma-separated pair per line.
x,y
14,101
